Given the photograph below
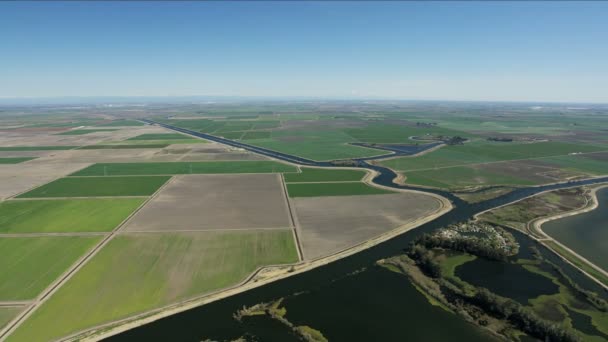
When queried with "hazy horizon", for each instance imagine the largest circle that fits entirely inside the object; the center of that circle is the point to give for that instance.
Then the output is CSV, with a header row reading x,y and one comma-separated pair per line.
x,y
447,51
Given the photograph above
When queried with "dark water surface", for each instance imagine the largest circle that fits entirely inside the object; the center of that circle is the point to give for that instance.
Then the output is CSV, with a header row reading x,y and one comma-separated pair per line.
x,y
587,233
370,305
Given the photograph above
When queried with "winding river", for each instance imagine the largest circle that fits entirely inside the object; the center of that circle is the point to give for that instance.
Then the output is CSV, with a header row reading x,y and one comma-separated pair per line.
x,y
349,299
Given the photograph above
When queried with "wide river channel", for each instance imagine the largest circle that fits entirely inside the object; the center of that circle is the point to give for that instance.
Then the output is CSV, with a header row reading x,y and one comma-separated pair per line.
x,y
350,299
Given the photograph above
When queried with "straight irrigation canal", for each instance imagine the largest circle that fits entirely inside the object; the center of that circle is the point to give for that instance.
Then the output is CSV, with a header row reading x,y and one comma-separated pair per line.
x,y
343,297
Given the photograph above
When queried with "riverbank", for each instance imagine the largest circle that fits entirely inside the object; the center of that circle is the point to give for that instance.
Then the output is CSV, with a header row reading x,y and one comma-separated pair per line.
x,y
260,277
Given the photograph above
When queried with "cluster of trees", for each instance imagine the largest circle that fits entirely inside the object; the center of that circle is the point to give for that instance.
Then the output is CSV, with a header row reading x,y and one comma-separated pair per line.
x,y
471,245
457,140
499,139
425,260
523,318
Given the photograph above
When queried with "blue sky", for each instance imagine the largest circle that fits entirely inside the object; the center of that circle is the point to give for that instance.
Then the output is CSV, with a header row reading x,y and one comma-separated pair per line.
x,y
542,51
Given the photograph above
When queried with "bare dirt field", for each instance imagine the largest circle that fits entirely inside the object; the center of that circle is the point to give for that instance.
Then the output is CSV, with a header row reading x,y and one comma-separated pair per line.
x,y
330,224
210,202
17,178
531,170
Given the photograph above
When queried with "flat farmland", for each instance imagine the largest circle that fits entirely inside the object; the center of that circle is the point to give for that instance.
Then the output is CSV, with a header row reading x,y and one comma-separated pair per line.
x,y
176,168
122,123
16,178
324,175
148,277
483,152
118,147
36,148
332,189
52,216
84,131
29,265
160,136
14,160
218,202
98,186
330,224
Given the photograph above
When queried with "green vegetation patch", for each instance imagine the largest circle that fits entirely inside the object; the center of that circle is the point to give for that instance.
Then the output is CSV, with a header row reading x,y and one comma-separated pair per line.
x,y
99,186
85,131
332,189
147,277
182,168
160,136
50,216
29,265
36,148
462,176
15,160
121,147
256,135
324,175
385,133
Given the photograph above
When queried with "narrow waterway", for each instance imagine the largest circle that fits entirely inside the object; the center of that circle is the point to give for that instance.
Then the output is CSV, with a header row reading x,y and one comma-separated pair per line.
x,y
352,289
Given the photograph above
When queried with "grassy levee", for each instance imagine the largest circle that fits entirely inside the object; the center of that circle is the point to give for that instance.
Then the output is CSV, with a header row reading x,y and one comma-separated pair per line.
x,y
7,314
119,147
138,272
52,216
578,262
28,265
332,189
184,168
482,152
36,148
15,160
324,175
84,131
98,186
160,136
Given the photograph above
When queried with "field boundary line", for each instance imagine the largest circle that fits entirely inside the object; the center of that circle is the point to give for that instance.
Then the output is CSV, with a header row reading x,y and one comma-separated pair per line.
x,y
294,220
72,198
69,273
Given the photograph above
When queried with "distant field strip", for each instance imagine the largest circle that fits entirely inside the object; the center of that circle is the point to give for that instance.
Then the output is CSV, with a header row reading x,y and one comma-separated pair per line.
x,y
51,216
15,160
98,186
147,276
116,147
475,153
160,136
324,175
29,265
332,189
119,123
36,148
85,131
183,168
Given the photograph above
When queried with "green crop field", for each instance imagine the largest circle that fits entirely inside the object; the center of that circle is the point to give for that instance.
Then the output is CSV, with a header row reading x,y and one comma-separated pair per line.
x,y
180,168
332,189
99,186
147,277
481,152
165,142
29,265
85,131
256,135
582,163
120,123
384,133
15,160
50,216
36,148
462,176
121,147
160,136
324,175
231,135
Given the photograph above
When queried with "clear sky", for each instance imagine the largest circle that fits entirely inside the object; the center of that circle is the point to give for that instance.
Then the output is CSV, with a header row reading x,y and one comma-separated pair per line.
x,y
543,51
